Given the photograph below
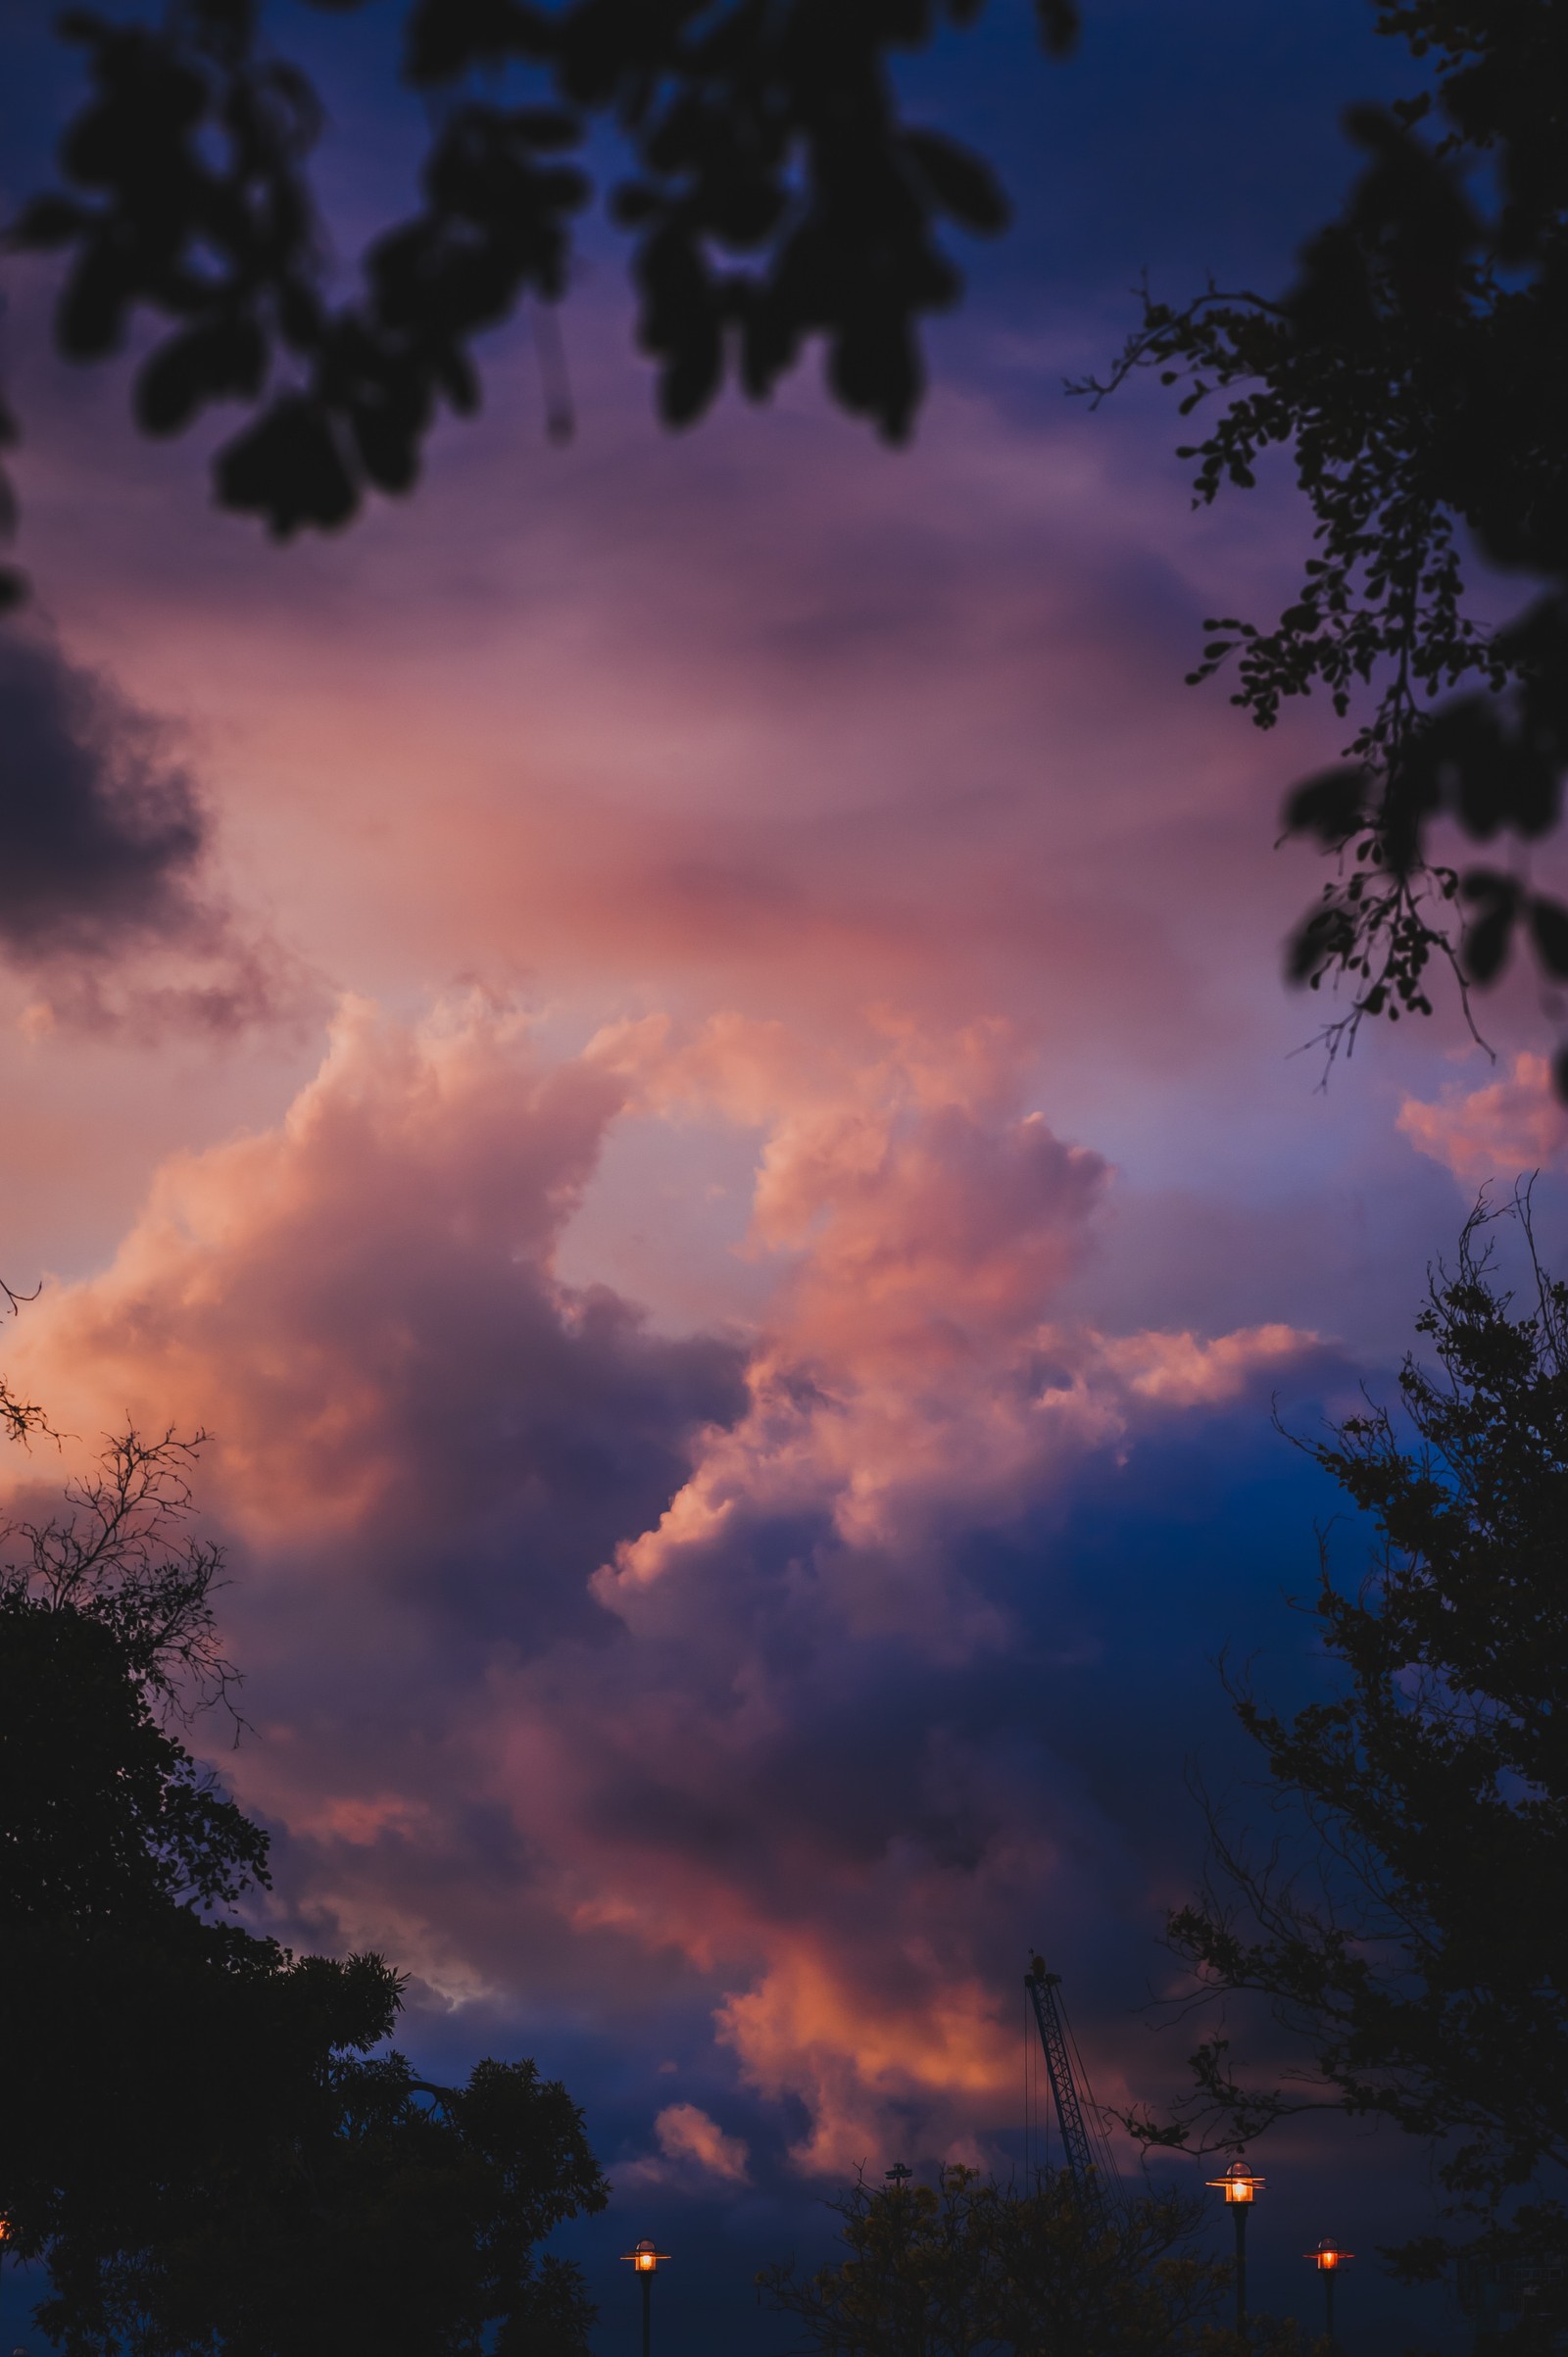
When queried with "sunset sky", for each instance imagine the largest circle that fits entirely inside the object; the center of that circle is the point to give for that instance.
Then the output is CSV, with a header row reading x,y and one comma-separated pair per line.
x,y
684,1065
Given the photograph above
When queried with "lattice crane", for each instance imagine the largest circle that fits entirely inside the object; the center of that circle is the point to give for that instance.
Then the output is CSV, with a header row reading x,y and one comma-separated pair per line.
x,y
1088,2156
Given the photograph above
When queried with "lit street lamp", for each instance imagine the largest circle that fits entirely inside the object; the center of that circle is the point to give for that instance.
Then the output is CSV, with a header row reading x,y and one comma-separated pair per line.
x,y
645,2259
1328,2258
1239,2189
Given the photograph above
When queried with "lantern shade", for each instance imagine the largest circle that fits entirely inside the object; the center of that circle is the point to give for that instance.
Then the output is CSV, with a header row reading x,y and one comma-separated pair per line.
x,y
645,2257
1327,2256
1237,2183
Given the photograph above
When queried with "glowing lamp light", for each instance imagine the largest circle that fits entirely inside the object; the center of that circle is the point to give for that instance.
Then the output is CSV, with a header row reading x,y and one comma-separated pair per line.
x,y
1237,2183
1241,2189
644,2258
1328,2258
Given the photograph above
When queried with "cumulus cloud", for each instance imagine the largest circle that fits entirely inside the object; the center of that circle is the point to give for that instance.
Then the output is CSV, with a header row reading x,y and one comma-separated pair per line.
x,y
1184,1370
576,1646
694,2154
915,1382
103,841
361,1301
1513,1124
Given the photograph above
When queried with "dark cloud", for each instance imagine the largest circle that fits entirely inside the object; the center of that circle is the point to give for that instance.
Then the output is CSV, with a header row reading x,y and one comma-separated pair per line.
x,y
103,846
100,832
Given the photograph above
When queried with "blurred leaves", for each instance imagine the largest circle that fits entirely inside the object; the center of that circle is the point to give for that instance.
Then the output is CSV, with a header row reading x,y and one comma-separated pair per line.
x,y
774,196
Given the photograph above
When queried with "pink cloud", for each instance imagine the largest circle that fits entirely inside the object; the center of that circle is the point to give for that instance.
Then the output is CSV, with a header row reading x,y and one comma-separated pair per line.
x,y
283,1288
544,1608
912,1378
1182,1370
1511,1125
694,2153
555,718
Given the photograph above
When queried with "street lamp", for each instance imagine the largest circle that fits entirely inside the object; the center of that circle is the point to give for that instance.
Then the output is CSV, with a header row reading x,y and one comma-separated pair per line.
x,y
645,2258
1240,2188
1328,2258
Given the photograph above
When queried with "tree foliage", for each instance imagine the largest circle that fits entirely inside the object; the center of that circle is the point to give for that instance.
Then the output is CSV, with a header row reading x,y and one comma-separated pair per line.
x,y
197,2132
775,193
392,2214
1417,374
1418,1957
971,2267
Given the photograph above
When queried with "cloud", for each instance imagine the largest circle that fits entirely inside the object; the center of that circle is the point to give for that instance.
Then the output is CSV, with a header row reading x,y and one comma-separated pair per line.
x,y
649,1676
694,2154
361,1300
1182,1370
914,1382
827,1790
1509,1126
935,749
103,841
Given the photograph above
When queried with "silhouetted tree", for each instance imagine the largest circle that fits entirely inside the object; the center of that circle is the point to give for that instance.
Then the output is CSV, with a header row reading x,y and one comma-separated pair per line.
x,y
971,2267
389,2214
194,2131
1412,1942
1417,374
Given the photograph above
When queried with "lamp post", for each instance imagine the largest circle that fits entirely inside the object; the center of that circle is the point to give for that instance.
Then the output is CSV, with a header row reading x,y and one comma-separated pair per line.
x,y
1328,2258
1239,2189
645,2258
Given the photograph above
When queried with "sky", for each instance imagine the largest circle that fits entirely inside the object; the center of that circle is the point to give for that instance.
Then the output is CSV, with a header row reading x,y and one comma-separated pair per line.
x,y
675,1046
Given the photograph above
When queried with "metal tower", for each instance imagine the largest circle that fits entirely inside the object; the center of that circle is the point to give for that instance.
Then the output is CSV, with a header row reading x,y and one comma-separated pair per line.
x,y
1088,2163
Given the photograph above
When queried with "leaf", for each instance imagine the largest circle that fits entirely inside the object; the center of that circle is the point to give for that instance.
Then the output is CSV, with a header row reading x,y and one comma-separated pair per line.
x,y
1487,943
550,128
1328,804
289,469
1548,930
46,224
227,359
963,187
91,319
388,438
1060,25
692,376
1486,884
